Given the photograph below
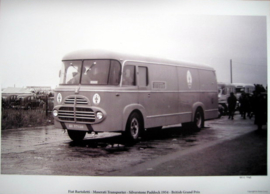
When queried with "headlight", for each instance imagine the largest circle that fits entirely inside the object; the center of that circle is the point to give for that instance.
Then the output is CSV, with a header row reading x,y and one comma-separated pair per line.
x,y
99,115
55,113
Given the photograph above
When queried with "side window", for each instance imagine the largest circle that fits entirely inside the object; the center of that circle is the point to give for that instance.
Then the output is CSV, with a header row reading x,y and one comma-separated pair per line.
x,y
143,76
129,76
114,77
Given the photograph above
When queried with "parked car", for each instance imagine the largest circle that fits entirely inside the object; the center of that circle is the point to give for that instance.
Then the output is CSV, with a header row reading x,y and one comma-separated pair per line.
x,y
243,87
224,90
8,100
27,101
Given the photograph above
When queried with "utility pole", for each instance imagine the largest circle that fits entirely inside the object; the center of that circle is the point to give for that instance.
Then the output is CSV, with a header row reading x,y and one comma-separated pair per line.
x,y
231,71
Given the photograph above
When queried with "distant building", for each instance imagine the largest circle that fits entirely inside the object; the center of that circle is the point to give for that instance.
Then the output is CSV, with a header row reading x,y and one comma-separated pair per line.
x,y
10,91
40,89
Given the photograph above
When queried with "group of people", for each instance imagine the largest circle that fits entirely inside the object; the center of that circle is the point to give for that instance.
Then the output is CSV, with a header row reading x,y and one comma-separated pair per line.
x,y
249,105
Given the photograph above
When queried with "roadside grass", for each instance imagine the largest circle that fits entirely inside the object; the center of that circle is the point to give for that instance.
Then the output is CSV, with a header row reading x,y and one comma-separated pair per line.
x,y
12,118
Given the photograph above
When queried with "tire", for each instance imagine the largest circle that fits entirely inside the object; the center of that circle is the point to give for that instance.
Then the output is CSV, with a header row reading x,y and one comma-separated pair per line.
x,y
76,135
133,127
198,122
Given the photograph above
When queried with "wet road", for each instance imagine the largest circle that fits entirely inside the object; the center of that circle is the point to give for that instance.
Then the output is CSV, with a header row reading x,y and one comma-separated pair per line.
x,y
47,151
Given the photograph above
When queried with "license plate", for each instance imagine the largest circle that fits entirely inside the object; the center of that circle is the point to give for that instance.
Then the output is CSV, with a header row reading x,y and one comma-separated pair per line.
x,y
76,127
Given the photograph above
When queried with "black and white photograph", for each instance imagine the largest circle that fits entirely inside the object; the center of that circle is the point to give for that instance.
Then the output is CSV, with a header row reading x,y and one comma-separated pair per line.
x,y
134,97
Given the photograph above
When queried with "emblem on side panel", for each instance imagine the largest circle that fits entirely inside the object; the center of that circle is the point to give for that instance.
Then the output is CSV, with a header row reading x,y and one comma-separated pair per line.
x,y
59,98
96,99
189,79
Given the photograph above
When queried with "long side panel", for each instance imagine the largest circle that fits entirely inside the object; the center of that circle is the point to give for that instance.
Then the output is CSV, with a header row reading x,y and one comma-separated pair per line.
x,y
189,92
161,99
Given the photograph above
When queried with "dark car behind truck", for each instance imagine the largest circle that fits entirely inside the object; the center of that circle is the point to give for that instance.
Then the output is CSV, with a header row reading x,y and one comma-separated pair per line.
x,y
27,101
8,100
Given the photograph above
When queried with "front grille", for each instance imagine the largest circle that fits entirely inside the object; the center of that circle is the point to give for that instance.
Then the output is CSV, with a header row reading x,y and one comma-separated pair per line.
x,y
66,113
80,114
76,100
81,100
70,100
85,115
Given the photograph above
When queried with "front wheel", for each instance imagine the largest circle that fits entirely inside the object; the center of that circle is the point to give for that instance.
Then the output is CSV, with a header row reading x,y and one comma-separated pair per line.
x,y
76,135
133,127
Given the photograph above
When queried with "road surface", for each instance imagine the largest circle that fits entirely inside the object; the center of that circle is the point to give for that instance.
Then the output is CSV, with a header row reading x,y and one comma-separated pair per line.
x,y
223,147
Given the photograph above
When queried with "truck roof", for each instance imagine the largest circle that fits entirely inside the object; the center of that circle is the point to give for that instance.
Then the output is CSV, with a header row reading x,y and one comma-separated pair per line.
x,y
104,54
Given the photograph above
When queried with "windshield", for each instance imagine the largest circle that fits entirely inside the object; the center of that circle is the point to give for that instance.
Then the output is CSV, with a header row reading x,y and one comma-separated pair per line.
x,y
238,89
90,72
221,90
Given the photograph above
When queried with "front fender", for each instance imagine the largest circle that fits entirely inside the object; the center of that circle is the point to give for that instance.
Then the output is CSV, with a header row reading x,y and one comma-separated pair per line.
x,y
129,109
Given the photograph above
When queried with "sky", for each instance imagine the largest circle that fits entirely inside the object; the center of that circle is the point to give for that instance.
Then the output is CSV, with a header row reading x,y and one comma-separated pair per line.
x,y
35,35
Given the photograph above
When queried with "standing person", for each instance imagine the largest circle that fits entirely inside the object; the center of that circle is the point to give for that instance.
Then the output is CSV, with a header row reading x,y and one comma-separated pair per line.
x,y
260,106
244,104
251,106
231,105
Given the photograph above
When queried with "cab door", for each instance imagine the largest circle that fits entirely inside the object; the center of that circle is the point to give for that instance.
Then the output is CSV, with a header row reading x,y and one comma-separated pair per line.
x,y
144,90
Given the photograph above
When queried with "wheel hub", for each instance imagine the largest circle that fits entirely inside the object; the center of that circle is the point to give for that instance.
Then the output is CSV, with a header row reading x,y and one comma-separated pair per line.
x,y
134,127
198,120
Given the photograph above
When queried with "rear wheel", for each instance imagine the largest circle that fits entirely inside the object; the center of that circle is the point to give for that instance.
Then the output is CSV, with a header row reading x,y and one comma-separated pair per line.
x,y
198,119
198,122
133,127
76,135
